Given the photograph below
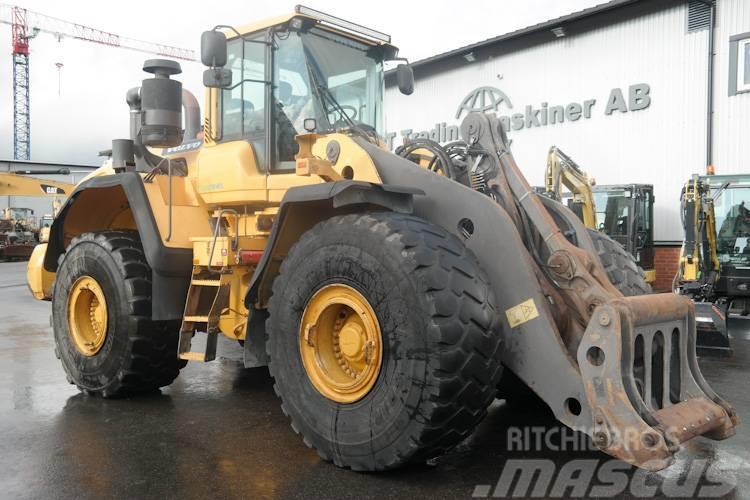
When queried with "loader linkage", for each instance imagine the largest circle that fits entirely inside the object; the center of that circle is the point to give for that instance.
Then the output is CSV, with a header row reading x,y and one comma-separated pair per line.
x,y
636,356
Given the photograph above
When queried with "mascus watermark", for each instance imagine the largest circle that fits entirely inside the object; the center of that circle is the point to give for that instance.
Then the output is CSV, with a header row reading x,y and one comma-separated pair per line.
x,y
603,478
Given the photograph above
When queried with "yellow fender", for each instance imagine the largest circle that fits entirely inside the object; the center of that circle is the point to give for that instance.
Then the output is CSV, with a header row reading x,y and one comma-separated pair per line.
x,y
39,279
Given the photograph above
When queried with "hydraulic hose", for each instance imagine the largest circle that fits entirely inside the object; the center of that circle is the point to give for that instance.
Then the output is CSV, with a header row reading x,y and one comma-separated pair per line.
x,y
441,159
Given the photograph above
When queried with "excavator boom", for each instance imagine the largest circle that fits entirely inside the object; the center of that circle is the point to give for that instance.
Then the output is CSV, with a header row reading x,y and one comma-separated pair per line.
x,y
563,171
12,184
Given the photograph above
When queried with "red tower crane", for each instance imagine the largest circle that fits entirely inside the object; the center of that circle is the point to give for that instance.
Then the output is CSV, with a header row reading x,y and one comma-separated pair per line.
x,y
25,25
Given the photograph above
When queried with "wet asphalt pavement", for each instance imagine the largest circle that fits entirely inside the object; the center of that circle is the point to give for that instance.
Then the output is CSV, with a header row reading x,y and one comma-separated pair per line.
x,y
218,431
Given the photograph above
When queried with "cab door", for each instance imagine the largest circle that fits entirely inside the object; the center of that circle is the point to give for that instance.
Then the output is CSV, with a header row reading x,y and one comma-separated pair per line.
x,y
233,166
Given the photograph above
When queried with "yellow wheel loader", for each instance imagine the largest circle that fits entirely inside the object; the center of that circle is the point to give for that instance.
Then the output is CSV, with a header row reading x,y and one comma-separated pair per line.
x,y
386,300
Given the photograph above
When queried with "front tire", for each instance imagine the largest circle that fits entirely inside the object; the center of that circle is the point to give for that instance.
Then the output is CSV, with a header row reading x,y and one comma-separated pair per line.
x,y
101,314
622,269
436,327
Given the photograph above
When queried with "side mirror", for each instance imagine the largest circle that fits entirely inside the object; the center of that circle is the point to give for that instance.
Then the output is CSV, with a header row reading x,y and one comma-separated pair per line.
x,y
405,79
213,49
217,78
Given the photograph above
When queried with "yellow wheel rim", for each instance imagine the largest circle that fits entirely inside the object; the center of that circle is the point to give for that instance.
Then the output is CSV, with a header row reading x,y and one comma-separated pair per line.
x,y
340,343
87,315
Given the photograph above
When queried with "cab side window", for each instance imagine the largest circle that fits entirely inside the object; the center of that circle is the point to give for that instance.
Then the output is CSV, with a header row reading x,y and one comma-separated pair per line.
x,y
243,105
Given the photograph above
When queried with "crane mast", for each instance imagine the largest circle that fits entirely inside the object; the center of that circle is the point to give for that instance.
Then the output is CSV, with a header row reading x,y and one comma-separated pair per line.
x,y
21,116
25,25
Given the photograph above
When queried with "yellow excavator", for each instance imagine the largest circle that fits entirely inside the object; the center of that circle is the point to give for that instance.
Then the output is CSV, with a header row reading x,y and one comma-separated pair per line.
x,y
562,171
19,231
387,301
714,268
624,212
21,184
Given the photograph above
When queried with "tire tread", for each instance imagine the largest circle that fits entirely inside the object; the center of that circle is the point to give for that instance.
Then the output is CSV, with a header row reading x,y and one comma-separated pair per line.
x,y
464,369
152,363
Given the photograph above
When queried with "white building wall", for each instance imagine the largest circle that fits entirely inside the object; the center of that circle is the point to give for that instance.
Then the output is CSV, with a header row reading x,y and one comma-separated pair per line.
x,y
661,145
731,113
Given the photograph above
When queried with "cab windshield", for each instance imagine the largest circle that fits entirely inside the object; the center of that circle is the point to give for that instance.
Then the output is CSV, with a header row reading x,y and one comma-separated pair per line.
x,y
612,212
334,80
732,212
325,80
625,216
20,213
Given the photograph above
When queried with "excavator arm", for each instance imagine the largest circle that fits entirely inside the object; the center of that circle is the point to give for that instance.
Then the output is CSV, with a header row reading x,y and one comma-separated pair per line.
x,y
14,184
563,171
699,263
699,269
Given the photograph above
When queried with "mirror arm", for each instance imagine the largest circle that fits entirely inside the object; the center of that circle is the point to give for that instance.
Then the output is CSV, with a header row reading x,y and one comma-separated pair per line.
x,y
247,80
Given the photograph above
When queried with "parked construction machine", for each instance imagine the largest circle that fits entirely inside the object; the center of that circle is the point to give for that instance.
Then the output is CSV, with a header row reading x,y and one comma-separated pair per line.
x,y
20,230
17,233
714,268
386,300
624,212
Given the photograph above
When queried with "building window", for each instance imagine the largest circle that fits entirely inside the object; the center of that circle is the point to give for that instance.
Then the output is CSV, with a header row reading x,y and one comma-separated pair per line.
x,y
739,64
743,66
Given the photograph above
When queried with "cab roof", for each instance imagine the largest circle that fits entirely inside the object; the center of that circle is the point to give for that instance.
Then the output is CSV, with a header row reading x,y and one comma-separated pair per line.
x,y
333,23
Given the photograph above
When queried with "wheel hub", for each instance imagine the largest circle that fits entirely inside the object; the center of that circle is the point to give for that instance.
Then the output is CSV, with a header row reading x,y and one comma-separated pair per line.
x,y
350,340
340,343
87,315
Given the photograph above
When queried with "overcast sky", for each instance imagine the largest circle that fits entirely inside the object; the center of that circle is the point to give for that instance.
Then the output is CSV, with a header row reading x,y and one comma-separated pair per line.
x,y
90,109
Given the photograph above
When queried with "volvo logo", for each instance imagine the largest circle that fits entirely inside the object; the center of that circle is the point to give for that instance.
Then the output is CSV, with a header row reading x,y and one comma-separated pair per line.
x,y
483,99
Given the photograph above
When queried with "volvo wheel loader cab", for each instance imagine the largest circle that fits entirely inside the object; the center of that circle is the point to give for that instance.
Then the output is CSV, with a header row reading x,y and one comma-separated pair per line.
x,y
385,299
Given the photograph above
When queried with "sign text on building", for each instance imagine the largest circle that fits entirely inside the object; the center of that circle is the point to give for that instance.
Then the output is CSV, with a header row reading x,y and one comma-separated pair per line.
x,y
490,99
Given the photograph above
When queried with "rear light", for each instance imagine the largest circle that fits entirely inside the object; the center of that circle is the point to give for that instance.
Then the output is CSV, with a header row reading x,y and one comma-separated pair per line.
x,y
250,257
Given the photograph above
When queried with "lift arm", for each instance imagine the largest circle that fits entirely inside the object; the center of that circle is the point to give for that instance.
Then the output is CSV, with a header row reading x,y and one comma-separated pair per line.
x,y
613,339
563,171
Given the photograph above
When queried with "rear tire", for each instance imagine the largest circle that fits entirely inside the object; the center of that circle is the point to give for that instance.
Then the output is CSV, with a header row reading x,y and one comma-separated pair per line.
x,y
137,354
441,339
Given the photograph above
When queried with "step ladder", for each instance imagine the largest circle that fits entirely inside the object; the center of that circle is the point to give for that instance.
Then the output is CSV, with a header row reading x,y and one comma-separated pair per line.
x,y
207,298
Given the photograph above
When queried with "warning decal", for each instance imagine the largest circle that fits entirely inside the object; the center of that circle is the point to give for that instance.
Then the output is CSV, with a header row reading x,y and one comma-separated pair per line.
x,y
523,312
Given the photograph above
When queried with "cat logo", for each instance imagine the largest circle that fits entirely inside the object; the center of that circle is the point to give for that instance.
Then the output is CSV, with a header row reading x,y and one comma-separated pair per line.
x,y
47,189
483,99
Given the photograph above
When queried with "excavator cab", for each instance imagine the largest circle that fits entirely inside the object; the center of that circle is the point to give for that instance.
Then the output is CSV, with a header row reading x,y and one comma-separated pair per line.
x,y
625,213
715,256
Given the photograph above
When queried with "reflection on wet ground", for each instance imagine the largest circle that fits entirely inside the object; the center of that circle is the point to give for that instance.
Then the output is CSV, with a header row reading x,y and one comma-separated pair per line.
x,y
218,431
